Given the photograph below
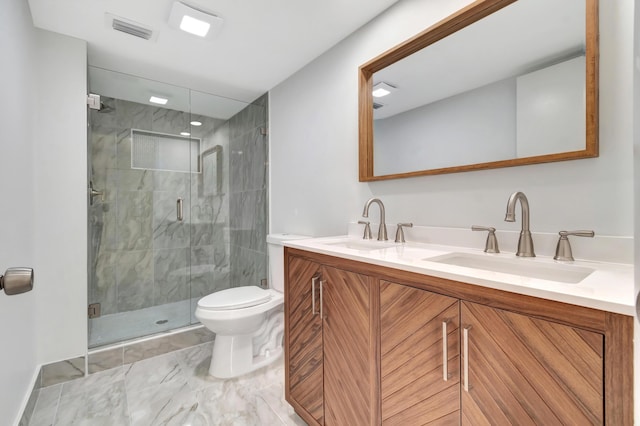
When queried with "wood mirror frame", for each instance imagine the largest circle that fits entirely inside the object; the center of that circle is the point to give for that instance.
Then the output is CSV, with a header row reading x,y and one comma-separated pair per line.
x,y
455,22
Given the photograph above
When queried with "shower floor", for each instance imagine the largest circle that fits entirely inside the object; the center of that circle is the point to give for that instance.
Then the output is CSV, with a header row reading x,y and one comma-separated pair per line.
x,y
114,328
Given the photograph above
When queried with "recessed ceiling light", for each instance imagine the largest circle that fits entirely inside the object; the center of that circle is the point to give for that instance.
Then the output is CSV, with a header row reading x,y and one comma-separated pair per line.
x,y
185,133
196,123
382,89
194,21
158,100
194,26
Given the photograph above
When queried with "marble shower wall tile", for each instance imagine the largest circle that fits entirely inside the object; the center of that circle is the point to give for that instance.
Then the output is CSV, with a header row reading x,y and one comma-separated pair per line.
x,y
248,224
134,220
104,284
103,148
135,279
249,162
135,180
254,115
170,121
123,148
133,115
202,268
247,187
171,273
168,231
248,267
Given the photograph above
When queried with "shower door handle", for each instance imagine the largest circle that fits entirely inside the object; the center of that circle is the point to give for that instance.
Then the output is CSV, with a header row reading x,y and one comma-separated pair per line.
x,y
179,210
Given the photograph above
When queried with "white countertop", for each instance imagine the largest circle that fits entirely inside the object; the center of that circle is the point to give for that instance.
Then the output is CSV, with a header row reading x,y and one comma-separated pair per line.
x,y
610,287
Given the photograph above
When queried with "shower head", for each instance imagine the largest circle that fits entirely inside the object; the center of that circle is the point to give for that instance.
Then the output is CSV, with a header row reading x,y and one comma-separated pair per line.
x,y
105,108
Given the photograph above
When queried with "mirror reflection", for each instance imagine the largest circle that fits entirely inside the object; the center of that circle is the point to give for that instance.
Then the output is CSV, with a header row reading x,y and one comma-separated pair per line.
x,y
510,89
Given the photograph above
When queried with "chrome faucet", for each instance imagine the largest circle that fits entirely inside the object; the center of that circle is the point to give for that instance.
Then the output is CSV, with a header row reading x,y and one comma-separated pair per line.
x,y
525,242
382,230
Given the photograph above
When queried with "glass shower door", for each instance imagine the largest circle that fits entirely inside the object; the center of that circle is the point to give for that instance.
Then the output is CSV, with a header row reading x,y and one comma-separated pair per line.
x,y
184,207
141,159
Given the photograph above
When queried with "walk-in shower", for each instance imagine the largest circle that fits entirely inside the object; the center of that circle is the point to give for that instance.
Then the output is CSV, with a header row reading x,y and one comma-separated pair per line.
x,y
176,204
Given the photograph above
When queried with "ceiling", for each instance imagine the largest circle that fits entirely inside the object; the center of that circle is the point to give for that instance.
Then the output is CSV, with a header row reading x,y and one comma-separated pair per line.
x,y
261,43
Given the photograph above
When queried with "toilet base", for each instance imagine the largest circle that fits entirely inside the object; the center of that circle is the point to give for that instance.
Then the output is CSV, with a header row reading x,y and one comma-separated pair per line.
x,y
233,356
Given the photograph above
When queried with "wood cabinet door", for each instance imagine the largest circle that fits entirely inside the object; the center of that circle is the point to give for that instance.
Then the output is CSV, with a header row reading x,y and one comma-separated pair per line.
x,y
304,338
348,352
418,387
528,371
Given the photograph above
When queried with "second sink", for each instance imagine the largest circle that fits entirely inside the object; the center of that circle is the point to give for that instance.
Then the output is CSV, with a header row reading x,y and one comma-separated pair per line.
x,y
363,245
551,272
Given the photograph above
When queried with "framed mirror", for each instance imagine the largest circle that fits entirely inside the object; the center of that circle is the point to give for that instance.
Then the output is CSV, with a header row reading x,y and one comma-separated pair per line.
x,y
499,83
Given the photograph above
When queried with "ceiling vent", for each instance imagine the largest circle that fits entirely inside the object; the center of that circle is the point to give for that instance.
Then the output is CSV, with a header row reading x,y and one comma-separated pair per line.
x,y
129,27
376,105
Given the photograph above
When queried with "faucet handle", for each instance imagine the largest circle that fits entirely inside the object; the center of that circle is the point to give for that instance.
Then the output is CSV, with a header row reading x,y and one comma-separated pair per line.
x,y
367,229
491,246
400,232
563,249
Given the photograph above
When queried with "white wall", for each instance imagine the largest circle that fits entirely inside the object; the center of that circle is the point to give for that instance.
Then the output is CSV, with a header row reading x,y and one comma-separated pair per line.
x,y
472,127
43,213
314,157
61,200
17,313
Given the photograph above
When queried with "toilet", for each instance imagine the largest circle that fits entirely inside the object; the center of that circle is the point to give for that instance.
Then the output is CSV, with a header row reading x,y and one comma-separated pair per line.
x,y
248,321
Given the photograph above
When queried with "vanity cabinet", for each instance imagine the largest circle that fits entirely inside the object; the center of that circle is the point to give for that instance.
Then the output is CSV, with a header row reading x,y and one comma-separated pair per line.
x,y
304,339
329,347
527,371
400,348
420,362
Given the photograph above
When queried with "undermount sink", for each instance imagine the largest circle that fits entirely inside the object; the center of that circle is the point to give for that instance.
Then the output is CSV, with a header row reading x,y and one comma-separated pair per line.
x,y
363,245
567,274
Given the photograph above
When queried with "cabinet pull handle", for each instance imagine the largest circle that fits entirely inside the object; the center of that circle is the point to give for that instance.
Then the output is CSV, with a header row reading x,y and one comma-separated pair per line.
x,y
314,280
445,348
180,211
321,283
465,349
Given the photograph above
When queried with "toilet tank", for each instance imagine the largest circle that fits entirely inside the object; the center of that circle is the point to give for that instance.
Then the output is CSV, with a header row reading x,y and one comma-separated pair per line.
x,y
276,258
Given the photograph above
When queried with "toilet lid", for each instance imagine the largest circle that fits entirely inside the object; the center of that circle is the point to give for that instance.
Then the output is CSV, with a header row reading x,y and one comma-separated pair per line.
x,y
235,298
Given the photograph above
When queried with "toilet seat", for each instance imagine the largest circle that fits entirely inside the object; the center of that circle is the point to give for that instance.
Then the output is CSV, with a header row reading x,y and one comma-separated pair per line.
x,y
235,298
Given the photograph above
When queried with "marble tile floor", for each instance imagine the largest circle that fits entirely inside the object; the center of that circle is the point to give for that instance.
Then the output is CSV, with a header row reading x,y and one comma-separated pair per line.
x,y
170,389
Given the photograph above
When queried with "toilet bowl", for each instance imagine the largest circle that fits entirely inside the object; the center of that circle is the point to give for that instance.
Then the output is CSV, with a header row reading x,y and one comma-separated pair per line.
x,y
248,321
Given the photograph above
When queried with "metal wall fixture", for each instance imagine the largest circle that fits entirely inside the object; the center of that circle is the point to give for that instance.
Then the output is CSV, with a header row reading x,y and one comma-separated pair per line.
x,y
93,193
563,249
525,242
179,210
367,229
491,245
16,281
400,232
382,229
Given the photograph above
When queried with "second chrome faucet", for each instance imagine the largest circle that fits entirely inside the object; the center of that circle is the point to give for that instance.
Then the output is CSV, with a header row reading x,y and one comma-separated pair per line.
x,y
525,242
382,229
